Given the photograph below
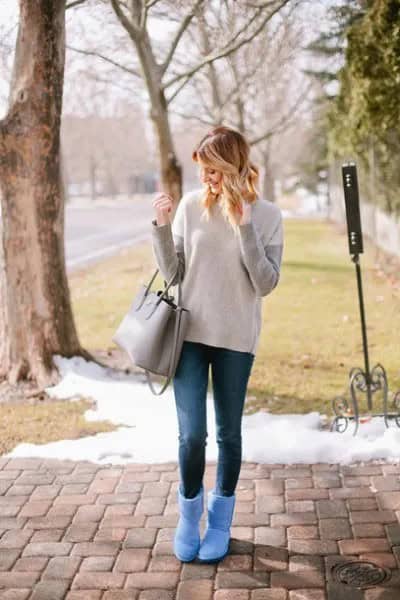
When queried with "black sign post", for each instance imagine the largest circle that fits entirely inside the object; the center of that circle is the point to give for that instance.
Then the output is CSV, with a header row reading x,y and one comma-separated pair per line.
x,y
368,381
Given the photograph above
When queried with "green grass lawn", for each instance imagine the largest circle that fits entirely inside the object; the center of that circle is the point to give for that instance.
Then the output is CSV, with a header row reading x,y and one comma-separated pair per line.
x,y
50,421
311,334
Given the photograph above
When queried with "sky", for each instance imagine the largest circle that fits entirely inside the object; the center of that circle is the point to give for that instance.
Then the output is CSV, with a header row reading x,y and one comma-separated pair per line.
x,y
82,25
85,29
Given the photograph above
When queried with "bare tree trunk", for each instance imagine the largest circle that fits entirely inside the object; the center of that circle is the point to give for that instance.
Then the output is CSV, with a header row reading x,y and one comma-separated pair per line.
x,y
268,185
133,15
171,170
212,71
36,319
268,179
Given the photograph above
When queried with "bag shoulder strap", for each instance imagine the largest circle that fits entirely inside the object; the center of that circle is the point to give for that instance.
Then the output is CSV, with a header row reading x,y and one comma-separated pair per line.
x,y
172,359
176,332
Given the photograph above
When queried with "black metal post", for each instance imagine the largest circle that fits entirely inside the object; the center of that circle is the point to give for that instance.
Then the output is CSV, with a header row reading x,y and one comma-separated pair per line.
x,y
356,261
367,382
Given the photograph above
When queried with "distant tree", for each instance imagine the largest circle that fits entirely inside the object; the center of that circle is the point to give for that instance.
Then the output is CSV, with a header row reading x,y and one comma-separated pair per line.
x,y
166,68
365,119
257,89
328,54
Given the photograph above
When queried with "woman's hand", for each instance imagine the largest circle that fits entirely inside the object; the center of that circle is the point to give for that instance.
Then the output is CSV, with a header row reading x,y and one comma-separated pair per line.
x,y
163,205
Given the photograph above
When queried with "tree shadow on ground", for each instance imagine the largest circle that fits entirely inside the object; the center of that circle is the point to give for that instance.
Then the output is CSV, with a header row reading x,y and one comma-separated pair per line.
x,y
252,566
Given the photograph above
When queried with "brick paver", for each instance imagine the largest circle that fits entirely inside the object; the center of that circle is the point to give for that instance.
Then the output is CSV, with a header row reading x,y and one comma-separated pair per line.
x,y
81,531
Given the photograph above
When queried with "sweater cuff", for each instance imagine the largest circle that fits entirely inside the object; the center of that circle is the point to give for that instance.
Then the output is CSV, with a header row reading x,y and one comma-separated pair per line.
x,y
161,231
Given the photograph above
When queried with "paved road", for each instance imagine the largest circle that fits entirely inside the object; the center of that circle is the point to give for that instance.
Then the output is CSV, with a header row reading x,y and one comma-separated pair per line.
x,y
91,233
94,232
84,531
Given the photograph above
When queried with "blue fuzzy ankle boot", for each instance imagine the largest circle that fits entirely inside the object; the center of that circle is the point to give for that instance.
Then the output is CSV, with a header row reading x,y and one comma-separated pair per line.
x,y
215,544
187,534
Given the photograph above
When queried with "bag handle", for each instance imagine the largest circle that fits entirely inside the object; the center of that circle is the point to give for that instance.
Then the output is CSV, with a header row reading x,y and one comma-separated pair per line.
x,y
172,359
148,287
174,348
166,288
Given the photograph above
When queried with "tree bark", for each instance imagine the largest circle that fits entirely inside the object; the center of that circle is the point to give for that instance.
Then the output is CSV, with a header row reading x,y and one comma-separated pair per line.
x,y
268,179
268,184
171,170
133,15
36,319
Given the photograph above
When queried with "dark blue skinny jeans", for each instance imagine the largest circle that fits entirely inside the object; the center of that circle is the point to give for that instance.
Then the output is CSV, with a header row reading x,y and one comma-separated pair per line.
x,y
230,370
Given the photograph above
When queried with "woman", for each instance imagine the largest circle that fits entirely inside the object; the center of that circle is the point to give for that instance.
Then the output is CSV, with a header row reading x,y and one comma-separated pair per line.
x,y
225,245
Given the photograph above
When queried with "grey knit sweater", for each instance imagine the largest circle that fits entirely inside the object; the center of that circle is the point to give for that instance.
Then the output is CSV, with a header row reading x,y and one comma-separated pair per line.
x,y
224,276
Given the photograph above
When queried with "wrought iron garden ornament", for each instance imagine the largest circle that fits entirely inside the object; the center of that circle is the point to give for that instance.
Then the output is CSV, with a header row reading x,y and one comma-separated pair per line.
x,y
361,381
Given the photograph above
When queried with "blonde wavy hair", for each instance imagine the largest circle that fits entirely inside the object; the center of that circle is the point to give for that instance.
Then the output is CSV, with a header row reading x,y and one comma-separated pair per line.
x,y
227,151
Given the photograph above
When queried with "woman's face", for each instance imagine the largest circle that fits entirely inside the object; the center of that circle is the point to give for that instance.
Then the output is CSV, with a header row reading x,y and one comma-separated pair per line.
x,y
211,177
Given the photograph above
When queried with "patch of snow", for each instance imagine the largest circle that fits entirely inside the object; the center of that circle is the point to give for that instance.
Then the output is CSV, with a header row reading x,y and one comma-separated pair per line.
x,y
148,431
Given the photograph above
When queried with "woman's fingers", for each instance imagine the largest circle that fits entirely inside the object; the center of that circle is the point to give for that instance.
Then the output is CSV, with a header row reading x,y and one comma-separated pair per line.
x,y
163,202
162,199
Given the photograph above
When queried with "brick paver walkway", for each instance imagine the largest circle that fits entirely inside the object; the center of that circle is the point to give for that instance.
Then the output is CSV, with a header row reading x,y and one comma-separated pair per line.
x,y
82,531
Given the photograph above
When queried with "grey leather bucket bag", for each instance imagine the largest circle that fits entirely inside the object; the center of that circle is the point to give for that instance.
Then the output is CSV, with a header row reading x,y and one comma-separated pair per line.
x,y
153,331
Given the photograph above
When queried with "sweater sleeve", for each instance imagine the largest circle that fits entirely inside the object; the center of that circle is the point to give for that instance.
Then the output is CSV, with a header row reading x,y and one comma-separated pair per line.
x,y
168,249
263,262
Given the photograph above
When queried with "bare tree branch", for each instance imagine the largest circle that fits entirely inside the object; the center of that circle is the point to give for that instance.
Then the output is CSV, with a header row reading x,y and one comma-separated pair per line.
x,y
178,89
222,53
74,3
199,94
112,82
202,120
151,3
146,6
165,14
240,82
282,123
132,29
261,5
238,97
181,30
143,16
248,23
212,71
106,59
